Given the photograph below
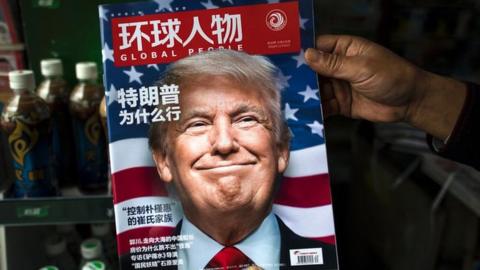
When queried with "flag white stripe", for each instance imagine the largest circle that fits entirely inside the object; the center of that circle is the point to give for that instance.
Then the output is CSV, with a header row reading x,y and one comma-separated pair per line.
x,y
307,161
310,222
122,217
132,153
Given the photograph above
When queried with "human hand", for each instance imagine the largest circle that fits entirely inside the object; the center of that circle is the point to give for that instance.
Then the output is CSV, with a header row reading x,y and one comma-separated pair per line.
x,y
365,80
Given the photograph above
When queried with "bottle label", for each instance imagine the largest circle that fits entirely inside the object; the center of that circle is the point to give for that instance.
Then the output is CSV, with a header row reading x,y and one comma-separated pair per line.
x,y
91,153
29,146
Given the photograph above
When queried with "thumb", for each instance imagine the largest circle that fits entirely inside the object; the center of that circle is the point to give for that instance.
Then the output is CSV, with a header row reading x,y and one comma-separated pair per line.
x,y
330,65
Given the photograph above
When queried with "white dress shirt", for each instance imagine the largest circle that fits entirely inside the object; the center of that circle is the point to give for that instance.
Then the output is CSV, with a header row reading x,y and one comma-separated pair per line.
x,y
262,246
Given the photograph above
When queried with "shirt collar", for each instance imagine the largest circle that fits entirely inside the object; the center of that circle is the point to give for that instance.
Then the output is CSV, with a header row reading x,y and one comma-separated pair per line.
x,y
262,246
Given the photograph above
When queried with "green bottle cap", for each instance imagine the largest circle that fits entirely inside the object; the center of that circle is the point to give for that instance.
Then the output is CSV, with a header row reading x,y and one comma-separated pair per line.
x,y
94,265
49,267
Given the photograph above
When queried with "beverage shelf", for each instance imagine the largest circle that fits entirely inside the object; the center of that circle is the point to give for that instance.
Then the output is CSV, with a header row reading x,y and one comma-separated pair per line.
x,y
56,210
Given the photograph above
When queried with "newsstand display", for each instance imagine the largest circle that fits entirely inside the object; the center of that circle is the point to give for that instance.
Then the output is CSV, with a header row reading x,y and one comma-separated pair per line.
x,y
395,205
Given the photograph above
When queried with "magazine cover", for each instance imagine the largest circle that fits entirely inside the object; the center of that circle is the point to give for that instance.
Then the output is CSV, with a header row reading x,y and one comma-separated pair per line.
x,y
217,150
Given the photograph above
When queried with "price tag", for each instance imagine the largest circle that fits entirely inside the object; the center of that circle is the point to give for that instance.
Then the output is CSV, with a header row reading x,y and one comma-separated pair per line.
x,y
35,212
46,3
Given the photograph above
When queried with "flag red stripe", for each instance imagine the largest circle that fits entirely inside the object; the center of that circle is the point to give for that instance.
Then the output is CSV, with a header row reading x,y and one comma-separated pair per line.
x,y
308,191
123,239
137,182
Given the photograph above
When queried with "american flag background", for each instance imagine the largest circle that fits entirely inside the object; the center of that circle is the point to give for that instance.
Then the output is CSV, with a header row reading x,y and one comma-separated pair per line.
x,y
143,209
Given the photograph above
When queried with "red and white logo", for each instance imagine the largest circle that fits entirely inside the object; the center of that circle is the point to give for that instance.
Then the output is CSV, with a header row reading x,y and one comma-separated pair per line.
x,y
276,20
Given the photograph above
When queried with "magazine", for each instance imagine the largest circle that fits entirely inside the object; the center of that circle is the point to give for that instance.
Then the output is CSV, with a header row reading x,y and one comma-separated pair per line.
x,y
216,142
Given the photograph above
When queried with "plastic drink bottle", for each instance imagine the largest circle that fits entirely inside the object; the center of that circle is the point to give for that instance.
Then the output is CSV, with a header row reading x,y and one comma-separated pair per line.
x,y
90,144
72,238
92,255
53,89
57,253
103,232
26,121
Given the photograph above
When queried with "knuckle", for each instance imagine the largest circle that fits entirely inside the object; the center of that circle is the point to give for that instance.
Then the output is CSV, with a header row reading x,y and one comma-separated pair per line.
x,y
334,63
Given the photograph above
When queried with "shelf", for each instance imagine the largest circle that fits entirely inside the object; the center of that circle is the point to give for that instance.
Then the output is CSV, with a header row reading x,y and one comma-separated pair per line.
x,y
56,210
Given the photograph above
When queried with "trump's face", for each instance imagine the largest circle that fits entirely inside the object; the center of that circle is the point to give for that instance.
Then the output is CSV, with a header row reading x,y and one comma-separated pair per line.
x,y
222,154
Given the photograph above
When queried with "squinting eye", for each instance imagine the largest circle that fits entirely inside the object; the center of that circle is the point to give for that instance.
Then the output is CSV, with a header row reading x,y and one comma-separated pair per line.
x,y
247,121
197,126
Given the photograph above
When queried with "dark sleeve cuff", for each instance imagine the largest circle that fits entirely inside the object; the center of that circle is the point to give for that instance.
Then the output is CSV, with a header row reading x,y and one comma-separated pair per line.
x,y
463,144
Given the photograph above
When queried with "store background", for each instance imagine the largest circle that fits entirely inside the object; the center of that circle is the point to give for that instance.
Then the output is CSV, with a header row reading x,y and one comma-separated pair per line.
x,y
395,206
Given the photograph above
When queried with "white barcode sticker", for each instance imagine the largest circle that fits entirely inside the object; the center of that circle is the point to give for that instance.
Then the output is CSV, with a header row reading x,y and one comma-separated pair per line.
x,y
306,256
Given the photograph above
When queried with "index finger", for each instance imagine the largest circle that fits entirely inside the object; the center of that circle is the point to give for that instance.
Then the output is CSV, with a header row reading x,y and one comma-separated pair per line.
x,y
336,44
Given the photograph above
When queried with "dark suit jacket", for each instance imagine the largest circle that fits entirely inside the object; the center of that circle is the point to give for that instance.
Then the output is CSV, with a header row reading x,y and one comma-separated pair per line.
x,y
289,240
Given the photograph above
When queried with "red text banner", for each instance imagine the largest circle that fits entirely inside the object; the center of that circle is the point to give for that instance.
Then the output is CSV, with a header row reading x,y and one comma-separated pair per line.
x,y
163,38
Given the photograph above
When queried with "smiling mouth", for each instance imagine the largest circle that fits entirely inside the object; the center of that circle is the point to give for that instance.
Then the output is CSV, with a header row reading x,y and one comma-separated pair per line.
x,y
225,166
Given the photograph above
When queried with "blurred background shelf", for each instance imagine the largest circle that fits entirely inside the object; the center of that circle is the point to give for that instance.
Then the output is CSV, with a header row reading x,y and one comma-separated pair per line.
x,y
56,210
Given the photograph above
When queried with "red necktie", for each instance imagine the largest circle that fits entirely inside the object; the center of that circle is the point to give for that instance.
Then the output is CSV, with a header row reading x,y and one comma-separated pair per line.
x,y
230,258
